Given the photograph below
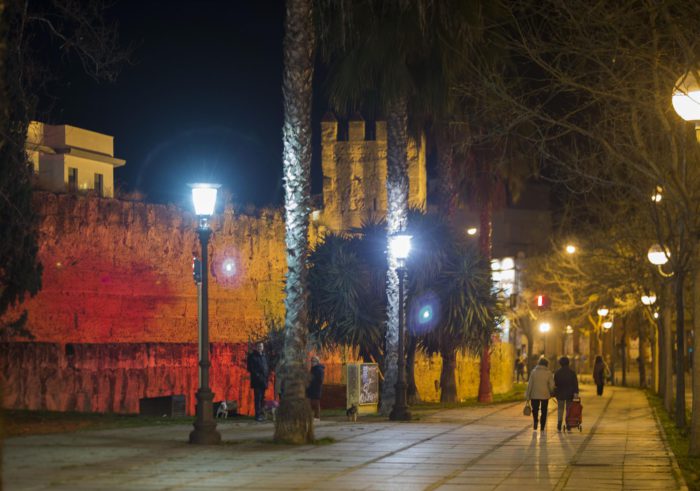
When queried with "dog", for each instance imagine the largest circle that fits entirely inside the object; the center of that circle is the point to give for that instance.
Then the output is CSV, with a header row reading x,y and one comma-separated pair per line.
x,y
225,408
351,413
270,409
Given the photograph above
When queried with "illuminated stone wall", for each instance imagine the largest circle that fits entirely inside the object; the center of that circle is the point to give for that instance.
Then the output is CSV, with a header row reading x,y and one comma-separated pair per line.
x,y
118,271
118,289
112,377
354,173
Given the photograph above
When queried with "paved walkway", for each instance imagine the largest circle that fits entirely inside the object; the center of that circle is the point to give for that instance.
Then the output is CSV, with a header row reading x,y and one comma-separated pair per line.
x,y
474,448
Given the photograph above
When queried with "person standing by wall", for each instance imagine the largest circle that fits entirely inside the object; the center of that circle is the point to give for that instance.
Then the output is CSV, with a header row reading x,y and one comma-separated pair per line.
x,y
259,374
600,373
566,387
540,388
313,391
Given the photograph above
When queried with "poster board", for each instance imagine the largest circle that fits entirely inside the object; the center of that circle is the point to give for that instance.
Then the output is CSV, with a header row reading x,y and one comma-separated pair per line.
x,y
363,386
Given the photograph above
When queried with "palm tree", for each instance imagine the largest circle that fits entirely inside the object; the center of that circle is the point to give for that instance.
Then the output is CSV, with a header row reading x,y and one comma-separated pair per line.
x,y
347,283
369,45
455,278
294,420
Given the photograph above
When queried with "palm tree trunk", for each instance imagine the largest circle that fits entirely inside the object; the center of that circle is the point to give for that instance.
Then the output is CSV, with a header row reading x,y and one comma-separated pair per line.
x,y
448,383
396,218
485,234
294,420
447,191
412,395
694,449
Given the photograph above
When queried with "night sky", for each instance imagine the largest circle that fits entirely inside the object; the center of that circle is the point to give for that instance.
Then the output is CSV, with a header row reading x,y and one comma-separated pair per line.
x,y
202,99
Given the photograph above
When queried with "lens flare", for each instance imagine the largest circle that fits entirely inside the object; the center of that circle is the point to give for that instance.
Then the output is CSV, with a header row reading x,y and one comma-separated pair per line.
x,y
423,316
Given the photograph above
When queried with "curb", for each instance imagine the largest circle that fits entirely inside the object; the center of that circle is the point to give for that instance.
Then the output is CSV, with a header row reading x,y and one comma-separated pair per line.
x,y
683,486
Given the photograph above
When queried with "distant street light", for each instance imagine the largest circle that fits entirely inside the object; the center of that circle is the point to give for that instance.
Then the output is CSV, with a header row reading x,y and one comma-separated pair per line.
x,y
571,249
658,194
400,248
607,324
603,311
472,231
204,198
544,329
649,299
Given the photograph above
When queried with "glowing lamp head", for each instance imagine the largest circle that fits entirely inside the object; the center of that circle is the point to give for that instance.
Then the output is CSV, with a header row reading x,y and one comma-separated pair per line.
x,y
571,249
686,97
607,325
569,330
658,255
658,194
649,299
545,327
204,198
400,246
603,311
471,231
656,315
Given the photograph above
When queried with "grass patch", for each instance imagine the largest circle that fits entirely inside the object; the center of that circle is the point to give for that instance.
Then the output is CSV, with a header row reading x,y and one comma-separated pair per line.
x,y
679,443
20,422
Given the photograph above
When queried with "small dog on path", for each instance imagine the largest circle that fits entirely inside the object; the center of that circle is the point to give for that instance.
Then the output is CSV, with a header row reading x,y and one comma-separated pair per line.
x,y
351,413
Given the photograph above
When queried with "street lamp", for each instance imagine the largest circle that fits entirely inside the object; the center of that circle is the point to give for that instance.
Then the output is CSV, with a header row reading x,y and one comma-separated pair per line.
x,y
400,247
608,326
603,311
658,255
649,299
571,249
686,99
204,198
544,329
471,231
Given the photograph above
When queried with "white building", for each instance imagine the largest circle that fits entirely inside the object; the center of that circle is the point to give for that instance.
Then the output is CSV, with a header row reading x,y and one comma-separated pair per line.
x,y
70,159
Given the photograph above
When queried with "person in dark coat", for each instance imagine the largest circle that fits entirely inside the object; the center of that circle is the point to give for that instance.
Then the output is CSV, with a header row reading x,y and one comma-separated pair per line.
x,y
259,374
566,387
600,372
313,391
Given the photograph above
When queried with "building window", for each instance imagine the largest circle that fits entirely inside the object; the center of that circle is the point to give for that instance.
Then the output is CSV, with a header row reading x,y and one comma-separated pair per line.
x,y
99,184
72,179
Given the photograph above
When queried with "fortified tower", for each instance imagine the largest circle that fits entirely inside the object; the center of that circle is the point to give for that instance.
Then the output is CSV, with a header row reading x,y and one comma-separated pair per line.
x,y
354,172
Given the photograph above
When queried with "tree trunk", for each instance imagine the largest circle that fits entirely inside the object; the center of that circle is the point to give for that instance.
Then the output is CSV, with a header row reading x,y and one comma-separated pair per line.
x,y
448,383
294,423
694,449
485,244
680,351
668,352
396,218
641,359
623,351
412,395
653,340
447,191
661,355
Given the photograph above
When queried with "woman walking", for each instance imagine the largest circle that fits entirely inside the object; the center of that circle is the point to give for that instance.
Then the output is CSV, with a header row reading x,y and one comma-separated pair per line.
x,y
540,388
600,372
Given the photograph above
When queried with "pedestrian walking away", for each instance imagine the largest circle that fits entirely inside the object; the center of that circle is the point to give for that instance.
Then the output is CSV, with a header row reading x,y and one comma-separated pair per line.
x,y
540,388
313,391
519,369
259,374
565,389
600,373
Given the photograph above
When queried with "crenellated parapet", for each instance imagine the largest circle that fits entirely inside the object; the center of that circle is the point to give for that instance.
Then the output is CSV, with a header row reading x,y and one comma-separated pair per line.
x,y
353,160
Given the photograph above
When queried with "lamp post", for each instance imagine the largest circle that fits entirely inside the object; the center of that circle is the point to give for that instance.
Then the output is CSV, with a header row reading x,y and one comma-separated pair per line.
x,y
400,247
204,198
609,326
544,329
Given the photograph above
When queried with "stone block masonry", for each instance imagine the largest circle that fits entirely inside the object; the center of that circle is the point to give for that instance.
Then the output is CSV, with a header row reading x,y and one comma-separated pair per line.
x,y
112,377
116,318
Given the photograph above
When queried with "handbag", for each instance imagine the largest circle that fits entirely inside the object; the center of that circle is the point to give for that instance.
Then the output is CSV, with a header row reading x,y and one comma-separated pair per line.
x,y
527,410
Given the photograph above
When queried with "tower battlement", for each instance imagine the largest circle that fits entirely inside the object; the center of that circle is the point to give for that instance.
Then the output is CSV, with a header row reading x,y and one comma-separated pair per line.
x,y
353,161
